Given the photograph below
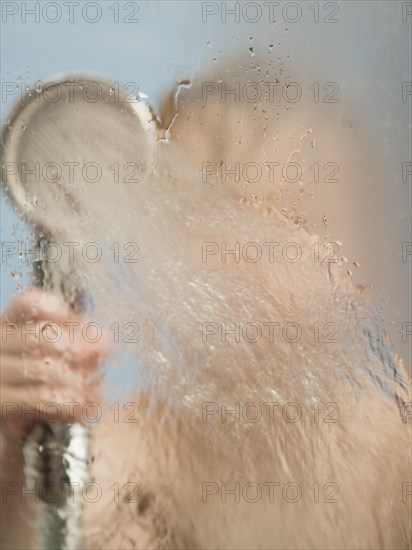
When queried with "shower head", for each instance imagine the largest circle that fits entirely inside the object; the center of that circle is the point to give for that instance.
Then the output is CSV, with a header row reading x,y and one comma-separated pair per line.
x,y
72,144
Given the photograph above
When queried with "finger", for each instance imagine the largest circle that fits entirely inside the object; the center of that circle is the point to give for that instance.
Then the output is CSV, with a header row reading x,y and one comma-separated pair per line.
x,y
37,304
48,381
62,405
50,337
79,348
